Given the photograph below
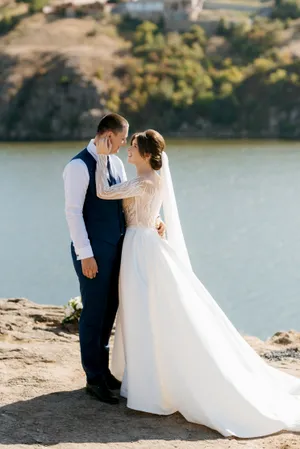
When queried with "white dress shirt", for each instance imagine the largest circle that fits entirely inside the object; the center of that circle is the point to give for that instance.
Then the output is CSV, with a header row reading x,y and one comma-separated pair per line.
x,y
76,180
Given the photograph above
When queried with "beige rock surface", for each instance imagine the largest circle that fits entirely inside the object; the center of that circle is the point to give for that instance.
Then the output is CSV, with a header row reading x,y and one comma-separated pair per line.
x,y
43,402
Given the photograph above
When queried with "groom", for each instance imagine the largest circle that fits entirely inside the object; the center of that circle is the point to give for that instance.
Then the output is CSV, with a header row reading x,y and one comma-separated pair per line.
x,y
97,230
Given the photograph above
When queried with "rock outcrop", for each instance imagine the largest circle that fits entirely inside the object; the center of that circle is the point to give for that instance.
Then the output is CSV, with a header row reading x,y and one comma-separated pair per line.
x,y
44,403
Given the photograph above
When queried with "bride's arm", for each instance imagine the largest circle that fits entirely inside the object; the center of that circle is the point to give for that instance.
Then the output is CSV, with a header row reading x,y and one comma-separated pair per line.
x,y
127,189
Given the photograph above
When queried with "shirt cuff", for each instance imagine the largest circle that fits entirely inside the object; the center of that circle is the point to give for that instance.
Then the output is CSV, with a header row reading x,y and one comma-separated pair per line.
x,y
84,253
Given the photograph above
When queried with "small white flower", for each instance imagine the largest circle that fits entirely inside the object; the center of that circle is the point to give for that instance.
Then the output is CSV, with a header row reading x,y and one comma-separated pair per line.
x,y
75,301
68,311
73,310
77,304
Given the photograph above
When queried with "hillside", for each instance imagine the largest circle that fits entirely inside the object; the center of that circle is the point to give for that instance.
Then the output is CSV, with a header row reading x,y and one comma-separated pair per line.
x,y
59,75
55,76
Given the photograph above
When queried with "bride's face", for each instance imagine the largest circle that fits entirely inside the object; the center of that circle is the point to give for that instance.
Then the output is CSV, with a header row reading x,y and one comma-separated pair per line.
x,y
134,156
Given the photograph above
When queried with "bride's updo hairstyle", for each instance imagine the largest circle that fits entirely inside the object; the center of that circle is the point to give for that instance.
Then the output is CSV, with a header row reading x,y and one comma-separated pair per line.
x,y
151,143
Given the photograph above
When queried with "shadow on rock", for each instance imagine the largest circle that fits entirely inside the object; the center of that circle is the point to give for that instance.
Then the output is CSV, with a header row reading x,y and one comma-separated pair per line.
x,y
74,417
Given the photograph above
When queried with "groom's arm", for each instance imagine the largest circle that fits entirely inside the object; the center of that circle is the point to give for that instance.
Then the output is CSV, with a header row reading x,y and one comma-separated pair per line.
x,y
161,226
76,181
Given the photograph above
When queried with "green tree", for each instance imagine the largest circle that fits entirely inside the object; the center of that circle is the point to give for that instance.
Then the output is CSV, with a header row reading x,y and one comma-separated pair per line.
x,y
37,5
144,34
196,35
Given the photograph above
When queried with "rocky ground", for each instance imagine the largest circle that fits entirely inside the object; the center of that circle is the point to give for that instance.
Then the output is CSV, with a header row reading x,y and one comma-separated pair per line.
x,y
44,403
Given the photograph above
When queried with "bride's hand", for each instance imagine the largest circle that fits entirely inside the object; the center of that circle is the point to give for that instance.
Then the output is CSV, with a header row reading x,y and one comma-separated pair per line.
x,y
104,145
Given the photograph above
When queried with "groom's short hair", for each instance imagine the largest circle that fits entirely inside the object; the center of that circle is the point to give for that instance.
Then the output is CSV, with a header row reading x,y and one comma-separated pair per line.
x,y
112,122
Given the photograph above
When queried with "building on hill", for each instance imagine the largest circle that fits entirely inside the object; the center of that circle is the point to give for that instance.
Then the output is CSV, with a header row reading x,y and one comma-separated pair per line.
x,y
141,9
189,8
73,8
155,10
179,14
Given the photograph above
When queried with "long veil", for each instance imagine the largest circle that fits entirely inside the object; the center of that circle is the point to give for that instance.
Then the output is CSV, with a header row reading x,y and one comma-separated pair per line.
x,y
171,216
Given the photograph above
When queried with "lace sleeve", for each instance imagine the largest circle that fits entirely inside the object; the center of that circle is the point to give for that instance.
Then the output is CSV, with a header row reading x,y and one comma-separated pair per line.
x,y
127,189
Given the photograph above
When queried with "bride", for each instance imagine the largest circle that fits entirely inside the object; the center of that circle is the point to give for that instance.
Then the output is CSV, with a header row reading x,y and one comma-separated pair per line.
x,y
175,350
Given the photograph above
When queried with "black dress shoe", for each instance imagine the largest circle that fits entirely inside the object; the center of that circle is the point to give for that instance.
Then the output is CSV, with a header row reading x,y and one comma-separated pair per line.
x,y
112,382
102,392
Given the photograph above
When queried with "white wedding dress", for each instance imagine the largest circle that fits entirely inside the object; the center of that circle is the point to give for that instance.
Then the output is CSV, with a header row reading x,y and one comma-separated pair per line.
x,y
175,350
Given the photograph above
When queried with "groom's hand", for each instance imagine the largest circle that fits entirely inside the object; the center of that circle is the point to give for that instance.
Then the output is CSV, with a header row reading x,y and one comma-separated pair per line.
x,y
161,227
89,267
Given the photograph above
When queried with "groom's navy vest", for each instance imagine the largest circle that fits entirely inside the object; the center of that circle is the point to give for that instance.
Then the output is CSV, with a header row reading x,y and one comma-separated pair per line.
x,y
104,219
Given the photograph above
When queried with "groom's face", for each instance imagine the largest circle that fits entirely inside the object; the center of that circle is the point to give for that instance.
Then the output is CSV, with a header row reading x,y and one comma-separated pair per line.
x,y
118,139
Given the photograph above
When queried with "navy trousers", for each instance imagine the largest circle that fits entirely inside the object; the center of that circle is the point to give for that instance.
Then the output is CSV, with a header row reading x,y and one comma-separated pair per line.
x,y
100,301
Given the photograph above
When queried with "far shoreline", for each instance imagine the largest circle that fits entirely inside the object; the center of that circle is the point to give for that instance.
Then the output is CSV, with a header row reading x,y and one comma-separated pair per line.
x,y
180,136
